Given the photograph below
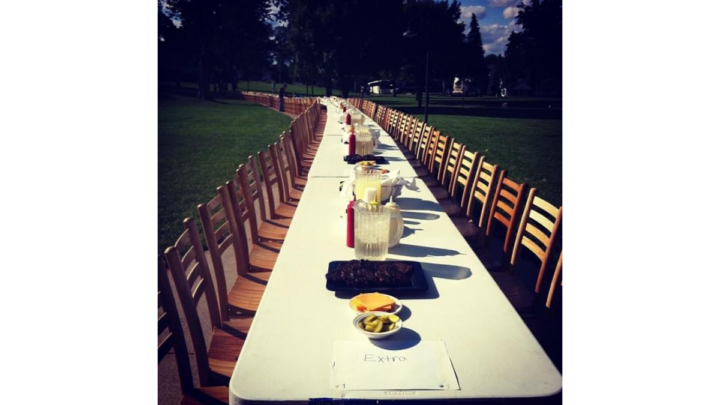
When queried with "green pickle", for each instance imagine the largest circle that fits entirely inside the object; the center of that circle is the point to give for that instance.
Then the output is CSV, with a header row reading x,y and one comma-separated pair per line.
x,y
379,324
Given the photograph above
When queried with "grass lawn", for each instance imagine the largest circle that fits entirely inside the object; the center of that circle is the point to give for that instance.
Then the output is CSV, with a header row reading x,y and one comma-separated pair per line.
x,y
200,145
525,140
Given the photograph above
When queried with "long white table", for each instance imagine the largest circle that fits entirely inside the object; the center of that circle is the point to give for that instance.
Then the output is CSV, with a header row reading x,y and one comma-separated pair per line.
x,y
289,351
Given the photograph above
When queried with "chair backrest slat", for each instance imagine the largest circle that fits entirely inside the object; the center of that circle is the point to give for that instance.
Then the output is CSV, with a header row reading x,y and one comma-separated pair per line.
x,y
531,226
481,190
170,331
189,294
505,206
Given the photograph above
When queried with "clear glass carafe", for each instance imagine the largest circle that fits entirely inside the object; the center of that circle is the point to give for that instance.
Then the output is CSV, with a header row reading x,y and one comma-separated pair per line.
x,y
372,230
367,177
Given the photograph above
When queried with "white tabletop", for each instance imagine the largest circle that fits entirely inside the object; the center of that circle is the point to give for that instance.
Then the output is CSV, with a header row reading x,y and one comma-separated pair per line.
x,y
288,353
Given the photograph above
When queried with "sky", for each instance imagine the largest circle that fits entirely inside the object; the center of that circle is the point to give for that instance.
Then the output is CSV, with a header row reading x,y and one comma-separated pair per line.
x,y
496,19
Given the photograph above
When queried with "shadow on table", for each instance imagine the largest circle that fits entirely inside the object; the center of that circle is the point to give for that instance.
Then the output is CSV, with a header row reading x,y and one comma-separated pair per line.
x,y
386,147
419,215
446,271
407,232
417,204
404,339
415,251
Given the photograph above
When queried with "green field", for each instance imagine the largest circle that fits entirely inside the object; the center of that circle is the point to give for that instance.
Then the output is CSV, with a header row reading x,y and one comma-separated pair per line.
x,y
524,139
200,145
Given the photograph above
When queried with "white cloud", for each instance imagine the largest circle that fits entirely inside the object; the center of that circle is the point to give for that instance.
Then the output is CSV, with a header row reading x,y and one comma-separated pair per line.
x,y
502,3
505,3
467,12
510,12
495,36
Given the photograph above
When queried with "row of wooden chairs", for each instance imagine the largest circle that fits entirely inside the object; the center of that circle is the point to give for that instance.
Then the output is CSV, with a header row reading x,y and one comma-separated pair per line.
x,y
479,197
243,235
293,105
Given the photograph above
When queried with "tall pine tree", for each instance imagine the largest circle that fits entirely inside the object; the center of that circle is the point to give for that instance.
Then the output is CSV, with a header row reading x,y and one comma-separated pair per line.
x,y
476,69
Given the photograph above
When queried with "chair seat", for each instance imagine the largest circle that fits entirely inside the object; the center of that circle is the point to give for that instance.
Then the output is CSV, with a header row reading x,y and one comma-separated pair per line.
x,y
225,346
285,210
271,231
263,255
281,222
439,193
415,163
422,171
207,396
451,208
295,194
520,298
466,227
300,183
430,181
247,291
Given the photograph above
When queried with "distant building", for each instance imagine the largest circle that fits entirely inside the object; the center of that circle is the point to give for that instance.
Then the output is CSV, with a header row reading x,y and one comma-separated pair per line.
x,y
380,87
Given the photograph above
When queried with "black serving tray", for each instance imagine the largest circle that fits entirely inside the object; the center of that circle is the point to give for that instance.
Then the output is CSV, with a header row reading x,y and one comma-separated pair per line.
x,y
378,160
419,283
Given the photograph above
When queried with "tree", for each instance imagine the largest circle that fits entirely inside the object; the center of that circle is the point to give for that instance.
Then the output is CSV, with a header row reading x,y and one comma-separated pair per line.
x,y
476,68
224,37
535,53
441,34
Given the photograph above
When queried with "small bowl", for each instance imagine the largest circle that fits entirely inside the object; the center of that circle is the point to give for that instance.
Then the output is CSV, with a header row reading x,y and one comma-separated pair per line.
x,y
373,335
395,311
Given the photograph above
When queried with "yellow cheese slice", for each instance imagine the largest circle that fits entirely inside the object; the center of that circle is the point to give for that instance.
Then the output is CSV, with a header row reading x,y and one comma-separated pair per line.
x,y
374,301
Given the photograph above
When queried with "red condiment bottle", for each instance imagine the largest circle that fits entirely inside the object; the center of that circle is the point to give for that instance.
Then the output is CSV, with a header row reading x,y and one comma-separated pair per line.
x,y
350,237
351,142
348,119
344,108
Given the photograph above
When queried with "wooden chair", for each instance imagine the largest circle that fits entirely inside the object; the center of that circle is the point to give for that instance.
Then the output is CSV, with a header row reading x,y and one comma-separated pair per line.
x,y
221,234
192,278
553,284
268,228
282,167
438,159
449,172
505,209
272,177
464,176
413,139
479,192
261,252
420,149
171,337
297,181
537,232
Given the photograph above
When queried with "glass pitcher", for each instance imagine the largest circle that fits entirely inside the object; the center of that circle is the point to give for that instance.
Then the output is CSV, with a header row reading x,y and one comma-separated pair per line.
x,y
367,177
372,230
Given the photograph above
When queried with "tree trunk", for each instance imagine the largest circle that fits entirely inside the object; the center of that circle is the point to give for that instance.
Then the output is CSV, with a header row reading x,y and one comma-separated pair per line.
x,y
328,87
202,81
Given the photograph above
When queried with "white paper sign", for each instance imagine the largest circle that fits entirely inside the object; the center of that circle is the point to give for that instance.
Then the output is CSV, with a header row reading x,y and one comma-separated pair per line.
x,y
360,365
